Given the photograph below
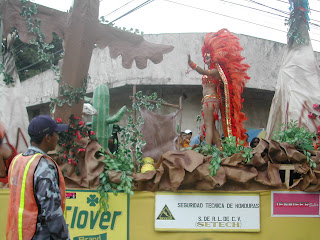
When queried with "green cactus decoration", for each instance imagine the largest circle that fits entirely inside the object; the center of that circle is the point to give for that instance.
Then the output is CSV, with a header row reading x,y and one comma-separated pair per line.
x,y
102,123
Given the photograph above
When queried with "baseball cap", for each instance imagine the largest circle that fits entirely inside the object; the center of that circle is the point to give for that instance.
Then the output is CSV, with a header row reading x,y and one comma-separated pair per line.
x,y
187,131
43,124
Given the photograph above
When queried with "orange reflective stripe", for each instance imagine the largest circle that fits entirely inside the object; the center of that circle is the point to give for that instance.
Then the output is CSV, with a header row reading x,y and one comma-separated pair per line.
x,y
23,189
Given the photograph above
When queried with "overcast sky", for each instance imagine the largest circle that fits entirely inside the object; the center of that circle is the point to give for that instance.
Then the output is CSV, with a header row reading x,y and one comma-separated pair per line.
x,y
258,18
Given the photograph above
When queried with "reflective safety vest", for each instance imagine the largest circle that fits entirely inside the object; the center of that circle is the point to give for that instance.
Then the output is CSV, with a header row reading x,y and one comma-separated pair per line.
x,y
23,209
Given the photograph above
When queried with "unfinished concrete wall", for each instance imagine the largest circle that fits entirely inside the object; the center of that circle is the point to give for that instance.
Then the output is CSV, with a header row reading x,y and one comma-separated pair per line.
x,y
169,78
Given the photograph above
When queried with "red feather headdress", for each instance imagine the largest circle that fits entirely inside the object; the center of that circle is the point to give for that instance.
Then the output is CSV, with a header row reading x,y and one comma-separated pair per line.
x,y
225,55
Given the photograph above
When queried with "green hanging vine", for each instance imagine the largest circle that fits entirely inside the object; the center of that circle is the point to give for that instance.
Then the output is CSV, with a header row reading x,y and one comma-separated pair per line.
x,y
70,94
9,81
35,28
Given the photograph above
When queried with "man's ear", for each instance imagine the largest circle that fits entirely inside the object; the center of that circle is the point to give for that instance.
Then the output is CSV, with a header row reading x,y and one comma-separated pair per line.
x,y
47,138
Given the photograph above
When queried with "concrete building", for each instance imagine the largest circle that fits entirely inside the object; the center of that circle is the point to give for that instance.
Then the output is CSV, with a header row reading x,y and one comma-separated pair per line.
x,y
169,78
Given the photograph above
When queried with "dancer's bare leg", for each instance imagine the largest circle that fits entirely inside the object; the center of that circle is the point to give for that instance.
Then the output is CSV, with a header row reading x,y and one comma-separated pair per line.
x,y
216,136
212,134
208,122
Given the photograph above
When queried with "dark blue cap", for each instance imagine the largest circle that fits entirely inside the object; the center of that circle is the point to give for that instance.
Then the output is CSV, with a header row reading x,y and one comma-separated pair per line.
x,y
43,124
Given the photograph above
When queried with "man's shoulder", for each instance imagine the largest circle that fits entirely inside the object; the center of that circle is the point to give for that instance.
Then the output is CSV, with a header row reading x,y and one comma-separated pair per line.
x,y
45,168
46,162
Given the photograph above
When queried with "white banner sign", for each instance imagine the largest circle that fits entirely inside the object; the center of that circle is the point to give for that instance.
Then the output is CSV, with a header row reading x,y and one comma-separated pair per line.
x,y
207,212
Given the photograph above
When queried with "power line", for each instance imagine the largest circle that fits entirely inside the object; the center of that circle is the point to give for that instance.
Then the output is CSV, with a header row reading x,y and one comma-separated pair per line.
x,y
28,46
239,19
279,1
279,15
283,1
18,52
268,7
59,51
282,11
314,10
253,8
19,45
310,22
134,9
118,8
314,24
272,8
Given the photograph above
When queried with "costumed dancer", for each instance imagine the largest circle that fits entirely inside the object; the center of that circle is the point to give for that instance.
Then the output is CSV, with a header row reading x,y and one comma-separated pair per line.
x,y
223,83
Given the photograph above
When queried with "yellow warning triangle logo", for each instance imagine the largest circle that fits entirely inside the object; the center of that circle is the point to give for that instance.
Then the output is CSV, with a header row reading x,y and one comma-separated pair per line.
x,y
165,214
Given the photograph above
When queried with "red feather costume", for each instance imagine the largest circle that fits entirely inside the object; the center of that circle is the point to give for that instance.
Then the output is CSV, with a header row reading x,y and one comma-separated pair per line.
x,y
225,55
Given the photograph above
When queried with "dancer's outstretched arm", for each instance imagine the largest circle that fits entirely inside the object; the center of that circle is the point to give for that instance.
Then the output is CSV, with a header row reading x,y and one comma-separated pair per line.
x,y
212,72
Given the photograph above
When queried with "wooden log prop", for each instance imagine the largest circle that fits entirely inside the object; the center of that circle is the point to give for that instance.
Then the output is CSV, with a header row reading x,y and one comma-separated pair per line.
x,y
79,43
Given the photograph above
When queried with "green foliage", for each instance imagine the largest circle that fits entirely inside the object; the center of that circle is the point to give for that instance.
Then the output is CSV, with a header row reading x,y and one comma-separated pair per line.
x,y
6,77
230,146
216,154
34,26
311,163
44,52
142,101
36,57
70,94
247,154
118,162
132,137
297,136
198,119
129,155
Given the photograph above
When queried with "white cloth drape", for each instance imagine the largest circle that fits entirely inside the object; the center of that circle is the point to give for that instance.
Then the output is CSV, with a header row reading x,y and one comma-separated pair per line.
x,y
13,112
298,87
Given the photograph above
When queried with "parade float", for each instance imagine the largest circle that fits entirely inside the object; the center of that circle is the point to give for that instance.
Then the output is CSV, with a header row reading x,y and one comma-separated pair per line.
x,y
148,189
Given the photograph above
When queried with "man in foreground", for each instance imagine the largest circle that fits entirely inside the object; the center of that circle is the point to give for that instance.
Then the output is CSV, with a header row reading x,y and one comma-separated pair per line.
x,y
37,187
